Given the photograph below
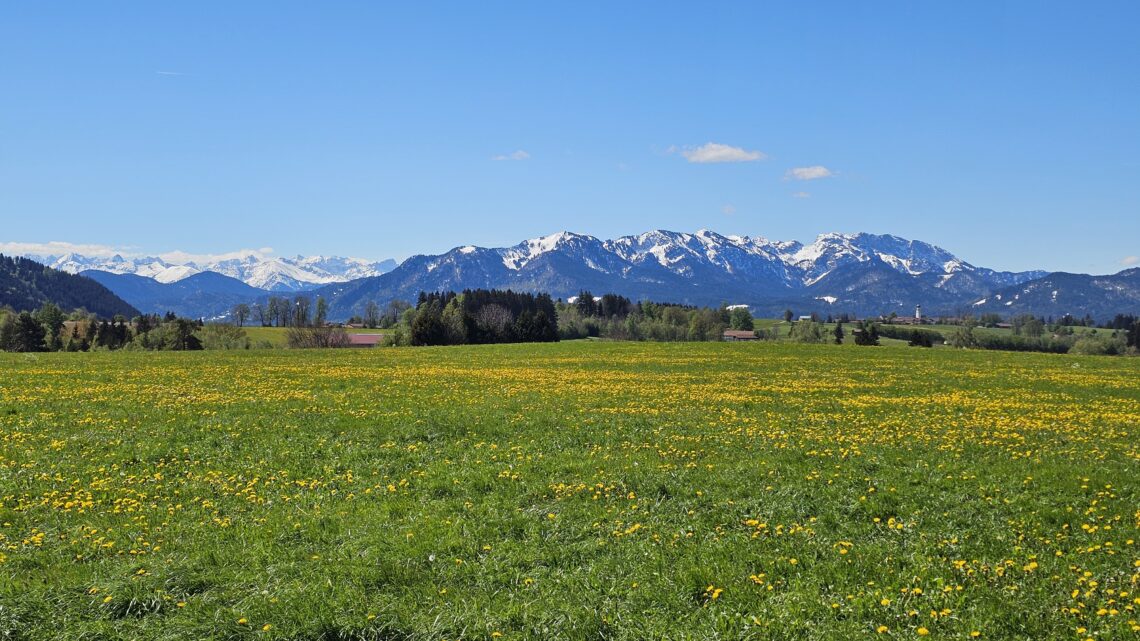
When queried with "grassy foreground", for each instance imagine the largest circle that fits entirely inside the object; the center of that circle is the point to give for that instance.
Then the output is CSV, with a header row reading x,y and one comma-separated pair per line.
x,y
577,491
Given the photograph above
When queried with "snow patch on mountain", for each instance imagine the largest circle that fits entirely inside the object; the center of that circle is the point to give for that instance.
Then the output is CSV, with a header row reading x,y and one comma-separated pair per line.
x,y
175,273
517,257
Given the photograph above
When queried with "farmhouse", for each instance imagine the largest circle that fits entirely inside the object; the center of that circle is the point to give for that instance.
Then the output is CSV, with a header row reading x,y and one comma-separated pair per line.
x,y
738,335
364,340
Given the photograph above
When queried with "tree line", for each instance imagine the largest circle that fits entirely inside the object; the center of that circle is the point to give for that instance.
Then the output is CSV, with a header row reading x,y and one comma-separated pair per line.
x,y
618,318
50,329
283,311
478,316
303,311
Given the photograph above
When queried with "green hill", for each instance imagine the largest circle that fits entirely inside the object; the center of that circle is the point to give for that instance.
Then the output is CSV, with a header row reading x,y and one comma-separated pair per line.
x,y
26,285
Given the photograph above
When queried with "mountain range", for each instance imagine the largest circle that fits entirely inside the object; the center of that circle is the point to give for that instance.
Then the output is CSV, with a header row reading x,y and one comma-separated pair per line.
x,y
858,273
269,273
25,285
1061,293
863,274
208,295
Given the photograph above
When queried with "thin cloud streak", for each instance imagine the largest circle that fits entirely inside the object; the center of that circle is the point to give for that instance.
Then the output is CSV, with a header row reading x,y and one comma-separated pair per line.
x,y
715,152
815,172
514,155
59,248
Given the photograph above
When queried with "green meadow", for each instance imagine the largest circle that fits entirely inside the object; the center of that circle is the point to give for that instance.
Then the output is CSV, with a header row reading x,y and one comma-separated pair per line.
x,y
582,490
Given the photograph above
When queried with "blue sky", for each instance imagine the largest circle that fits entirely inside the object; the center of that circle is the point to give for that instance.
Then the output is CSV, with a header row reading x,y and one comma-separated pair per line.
x,y
1005,132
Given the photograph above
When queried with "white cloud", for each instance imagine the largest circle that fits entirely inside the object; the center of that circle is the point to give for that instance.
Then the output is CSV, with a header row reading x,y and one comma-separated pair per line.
x,y
814,172
728,210
711,152
801,194
170,73
514,155
59,248
185,257
1130,260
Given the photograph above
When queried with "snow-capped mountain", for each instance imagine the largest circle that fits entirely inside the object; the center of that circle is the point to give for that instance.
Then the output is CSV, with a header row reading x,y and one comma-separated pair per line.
x,y
854,273
1063,293
270,273
860,273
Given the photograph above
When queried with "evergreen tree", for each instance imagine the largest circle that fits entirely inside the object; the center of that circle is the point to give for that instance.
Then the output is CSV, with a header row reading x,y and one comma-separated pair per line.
x,y
51,317
1133,337
184,338
22,334
524,326
838,333
427,328
920,339
867,334
586,304
122,332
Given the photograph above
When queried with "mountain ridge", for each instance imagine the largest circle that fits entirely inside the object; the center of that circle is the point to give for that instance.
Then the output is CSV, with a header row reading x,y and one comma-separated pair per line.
x,y
207,295
858,273
25,285
280,274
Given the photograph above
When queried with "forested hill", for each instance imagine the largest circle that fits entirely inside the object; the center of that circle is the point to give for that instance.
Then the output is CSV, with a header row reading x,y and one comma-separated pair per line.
x,y
26,285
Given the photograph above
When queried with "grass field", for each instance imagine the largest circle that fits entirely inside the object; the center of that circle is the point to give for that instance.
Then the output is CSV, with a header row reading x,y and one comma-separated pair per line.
x,y
584,490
